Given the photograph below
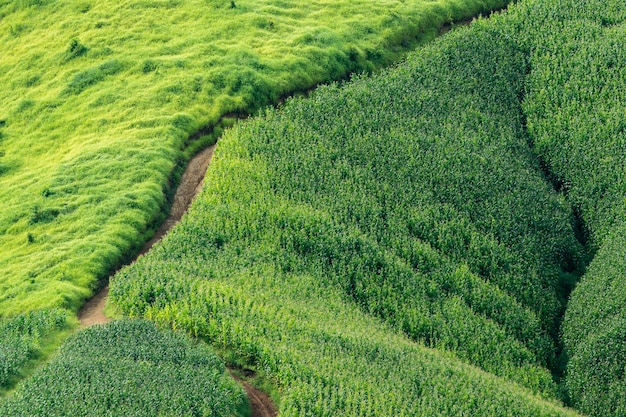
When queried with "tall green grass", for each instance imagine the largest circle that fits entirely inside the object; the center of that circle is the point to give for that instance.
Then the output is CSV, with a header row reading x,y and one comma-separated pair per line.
x,y
99,102
340,236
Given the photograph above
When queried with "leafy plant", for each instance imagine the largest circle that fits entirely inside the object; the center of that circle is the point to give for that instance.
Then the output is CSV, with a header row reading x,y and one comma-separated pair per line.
x,y
75,50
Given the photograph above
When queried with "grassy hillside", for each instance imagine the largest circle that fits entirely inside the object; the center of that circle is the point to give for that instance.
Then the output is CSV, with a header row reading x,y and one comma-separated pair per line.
x,y
129,368
404,244
100,100
338,235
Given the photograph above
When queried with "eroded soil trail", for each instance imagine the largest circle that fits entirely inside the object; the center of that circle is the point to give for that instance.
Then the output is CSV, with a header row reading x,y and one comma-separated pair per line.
x,y
260,402
190,185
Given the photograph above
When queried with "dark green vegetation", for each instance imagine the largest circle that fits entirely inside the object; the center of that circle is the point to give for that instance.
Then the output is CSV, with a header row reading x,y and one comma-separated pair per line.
x,y
337,235
576,119
22,339
128,368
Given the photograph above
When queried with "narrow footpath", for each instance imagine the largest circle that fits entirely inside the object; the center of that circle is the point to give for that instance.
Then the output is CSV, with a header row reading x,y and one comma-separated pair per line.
x,y
190,185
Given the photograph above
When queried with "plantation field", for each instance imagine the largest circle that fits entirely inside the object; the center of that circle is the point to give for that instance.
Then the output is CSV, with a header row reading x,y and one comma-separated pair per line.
x,y
575,107
339,235
129,368
23,339
444,237
101,102
455,199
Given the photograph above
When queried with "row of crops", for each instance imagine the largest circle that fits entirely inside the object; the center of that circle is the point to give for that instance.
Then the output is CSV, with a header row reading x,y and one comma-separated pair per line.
x,y
23,338
575,108
129,368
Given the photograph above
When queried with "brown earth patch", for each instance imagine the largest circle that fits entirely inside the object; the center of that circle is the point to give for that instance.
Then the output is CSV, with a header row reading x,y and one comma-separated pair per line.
x,y
260,402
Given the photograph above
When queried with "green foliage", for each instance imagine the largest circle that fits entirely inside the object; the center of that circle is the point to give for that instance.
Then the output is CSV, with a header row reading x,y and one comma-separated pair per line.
x,y
102,117
595,377
91,76
21,339
338,235
593,332
39,215
575,114
75,50
128,368
148,66
30,3
575,103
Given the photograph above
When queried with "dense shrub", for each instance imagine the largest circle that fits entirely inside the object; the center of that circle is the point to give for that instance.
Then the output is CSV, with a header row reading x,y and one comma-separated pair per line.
x,y
593,332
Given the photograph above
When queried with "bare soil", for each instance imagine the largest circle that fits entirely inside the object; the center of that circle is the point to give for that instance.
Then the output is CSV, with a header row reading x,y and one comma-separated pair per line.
x,y
260,402
93,310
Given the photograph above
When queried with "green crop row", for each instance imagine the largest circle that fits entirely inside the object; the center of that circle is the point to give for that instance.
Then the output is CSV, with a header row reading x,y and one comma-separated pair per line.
x,y
128,368
21,339
594,332
339,235
327,357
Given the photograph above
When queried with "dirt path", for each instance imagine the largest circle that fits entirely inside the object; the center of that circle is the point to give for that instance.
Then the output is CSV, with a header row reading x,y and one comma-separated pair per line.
x,y
190,185
260,402
93,310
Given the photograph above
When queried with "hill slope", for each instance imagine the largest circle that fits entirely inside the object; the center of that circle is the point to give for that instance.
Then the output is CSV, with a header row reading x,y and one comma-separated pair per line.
x,y
100,102
338,235
575,106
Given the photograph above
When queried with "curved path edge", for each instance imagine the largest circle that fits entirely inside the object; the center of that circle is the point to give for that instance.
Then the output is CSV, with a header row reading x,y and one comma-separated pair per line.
x,y
190,185
92,312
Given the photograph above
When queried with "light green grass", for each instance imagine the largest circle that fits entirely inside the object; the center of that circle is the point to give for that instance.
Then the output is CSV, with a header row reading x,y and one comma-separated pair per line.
x,y
99,100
